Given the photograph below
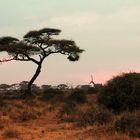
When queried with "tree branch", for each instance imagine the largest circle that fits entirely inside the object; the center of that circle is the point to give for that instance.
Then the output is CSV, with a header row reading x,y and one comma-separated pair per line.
x,y
40,57
27,59
22,59
40,46
53,52
46,47
7,60
31,59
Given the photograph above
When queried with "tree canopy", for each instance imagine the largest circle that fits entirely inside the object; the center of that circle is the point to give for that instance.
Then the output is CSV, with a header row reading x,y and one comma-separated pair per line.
x,y
40,43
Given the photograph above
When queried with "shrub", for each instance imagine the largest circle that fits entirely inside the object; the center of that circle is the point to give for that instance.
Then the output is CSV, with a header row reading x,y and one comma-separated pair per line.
x,y
68,108
94,115
96,89
92,90
51,93
68,111
129,123
77,96
121,93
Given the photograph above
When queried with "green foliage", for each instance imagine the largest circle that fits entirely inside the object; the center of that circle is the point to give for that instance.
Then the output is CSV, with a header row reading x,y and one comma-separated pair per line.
x,y
121,93
78,96
129,123
94,115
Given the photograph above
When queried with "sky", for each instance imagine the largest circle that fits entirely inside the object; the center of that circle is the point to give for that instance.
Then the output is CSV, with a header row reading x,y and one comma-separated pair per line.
x,y
108,31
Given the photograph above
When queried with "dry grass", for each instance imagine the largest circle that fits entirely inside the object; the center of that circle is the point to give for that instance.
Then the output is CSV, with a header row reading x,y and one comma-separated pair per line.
x,y
32,119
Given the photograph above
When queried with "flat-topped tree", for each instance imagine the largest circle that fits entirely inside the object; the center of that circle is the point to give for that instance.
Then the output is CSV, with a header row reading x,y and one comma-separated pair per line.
x,y
40,43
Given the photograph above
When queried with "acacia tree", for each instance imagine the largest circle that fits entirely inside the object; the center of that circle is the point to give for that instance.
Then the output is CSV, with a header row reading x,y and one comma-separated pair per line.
x,y
40,43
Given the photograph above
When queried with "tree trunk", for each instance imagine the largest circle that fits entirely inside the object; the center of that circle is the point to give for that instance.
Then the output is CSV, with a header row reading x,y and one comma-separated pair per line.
x,y
29,86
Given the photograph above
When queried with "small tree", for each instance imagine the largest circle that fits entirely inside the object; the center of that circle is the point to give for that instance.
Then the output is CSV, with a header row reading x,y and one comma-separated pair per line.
x,y
40,43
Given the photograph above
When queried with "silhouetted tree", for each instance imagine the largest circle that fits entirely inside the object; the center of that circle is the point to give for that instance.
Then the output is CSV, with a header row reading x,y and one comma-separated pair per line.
x,y
62,86
45,87
23,86
40,43
4,86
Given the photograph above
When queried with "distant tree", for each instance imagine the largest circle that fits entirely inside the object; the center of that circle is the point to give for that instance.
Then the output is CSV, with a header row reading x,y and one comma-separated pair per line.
x,y
62,86
23,85
45,87
15,86
4,86
35,88
38,43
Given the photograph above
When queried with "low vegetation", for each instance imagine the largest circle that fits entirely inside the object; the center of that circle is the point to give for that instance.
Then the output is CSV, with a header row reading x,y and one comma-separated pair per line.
x,y
112,112
52,95
95,115
122,93
77,96
129,123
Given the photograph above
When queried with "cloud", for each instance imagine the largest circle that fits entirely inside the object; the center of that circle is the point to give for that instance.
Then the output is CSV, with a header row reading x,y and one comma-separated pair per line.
x,y
124,16
117,29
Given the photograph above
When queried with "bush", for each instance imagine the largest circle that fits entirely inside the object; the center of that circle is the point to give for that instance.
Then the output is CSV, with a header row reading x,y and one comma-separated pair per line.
x,y
96,89
121,93
94,115
77,96
129,123
68,108
68,111
51,93
92,90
